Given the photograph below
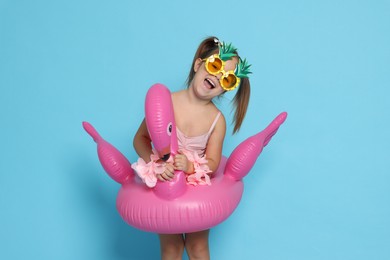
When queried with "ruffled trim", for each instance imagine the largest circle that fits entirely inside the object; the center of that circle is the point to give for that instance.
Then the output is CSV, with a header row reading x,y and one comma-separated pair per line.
x,y
201,169
148,171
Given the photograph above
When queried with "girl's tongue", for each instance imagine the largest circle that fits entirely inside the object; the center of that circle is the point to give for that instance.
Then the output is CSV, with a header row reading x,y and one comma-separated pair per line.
x,y
209,84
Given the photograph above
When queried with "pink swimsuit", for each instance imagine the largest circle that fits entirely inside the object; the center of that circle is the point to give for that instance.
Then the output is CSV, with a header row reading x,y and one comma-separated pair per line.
x,y
196,143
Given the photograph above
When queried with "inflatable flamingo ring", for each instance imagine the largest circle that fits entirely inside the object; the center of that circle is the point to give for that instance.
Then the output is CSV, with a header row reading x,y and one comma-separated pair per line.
x,y
175,206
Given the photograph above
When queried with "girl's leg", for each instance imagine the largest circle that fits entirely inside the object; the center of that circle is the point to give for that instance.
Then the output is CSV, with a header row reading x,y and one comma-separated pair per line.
x,y
172,246
197,245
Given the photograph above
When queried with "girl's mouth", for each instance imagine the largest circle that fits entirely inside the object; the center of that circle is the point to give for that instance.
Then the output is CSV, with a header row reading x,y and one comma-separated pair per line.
x,y
209,83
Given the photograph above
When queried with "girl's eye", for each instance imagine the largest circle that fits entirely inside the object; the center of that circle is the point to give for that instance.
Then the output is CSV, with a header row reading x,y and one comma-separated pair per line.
x,y
215,66
230,80
169,129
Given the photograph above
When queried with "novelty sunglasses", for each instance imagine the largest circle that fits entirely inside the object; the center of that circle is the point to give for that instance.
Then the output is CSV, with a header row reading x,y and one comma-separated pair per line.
x,y
215,66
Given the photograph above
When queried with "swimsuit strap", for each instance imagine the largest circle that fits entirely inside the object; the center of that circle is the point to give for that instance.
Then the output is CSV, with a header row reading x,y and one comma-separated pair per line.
x,y
214,123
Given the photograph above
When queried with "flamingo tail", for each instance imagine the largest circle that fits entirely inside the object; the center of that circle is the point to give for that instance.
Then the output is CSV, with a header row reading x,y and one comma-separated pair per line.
x,y
113,161
242,159
92,131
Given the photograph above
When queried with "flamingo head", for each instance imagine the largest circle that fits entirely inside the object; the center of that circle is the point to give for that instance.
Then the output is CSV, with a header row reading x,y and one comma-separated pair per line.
x,y
162,140
160,121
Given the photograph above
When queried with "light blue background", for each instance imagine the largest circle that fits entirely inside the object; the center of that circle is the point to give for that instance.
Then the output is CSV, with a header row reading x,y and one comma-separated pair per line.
x,y
319,191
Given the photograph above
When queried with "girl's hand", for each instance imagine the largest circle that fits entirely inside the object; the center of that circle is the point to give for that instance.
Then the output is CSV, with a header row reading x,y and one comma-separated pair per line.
x,y
168,173
182,163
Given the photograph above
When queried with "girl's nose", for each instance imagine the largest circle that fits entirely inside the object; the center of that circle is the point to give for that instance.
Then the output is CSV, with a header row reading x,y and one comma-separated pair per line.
x,y
219,75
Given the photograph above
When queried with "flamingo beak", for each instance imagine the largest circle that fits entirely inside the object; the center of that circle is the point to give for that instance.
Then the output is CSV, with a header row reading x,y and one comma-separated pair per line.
x,y
165,157
165,153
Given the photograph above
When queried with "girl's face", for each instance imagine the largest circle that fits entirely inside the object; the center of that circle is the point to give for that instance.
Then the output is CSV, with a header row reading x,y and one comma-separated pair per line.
x,y
207,85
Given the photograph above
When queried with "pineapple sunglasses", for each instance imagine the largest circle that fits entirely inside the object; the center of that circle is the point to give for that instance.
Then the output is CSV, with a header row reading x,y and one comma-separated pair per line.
x,y
215,65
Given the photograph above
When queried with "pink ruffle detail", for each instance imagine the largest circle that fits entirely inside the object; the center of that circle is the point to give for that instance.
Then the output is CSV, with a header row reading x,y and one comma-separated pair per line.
x,y
147,171
200,176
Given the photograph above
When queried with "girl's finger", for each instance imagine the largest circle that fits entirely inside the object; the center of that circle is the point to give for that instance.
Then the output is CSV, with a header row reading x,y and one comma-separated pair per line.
x,y
170,168
170,175
160,177
179,156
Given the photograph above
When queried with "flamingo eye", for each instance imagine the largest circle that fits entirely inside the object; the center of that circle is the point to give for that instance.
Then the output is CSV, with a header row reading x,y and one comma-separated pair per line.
x,y
169,129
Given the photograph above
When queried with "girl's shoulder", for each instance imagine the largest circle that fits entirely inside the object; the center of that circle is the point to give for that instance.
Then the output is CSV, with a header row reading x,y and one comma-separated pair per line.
x,y
214,108
177,96
221,120
218,116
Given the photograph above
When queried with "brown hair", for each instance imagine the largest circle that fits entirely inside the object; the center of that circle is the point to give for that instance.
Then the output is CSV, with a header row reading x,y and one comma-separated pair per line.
x,y
240,101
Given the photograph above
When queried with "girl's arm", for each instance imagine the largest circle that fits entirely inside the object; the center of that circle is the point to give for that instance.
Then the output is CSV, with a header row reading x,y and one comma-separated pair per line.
x,y
215,143
143,146
142,142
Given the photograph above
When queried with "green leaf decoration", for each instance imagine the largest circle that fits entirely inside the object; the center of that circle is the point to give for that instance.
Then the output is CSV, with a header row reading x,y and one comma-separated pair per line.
x,y
243,69
227,51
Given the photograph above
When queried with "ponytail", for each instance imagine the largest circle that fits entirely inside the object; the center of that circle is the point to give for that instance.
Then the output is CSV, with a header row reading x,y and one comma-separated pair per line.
x,y
240,103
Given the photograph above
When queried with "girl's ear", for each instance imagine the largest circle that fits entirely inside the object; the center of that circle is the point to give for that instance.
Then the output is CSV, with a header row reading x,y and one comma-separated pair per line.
x,y
197,64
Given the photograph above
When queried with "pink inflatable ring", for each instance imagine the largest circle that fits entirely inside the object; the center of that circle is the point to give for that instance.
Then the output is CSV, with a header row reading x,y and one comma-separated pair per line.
x,y
176,207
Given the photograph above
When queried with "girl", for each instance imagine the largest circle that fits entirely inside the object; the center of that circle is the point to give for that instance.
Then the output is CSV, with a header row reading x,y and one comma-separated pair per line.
x,y
216,68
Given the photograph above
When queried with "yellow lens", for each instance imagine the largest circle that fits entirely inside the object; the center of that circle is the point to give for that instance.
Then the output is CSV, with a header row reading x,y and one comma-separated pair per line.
x,y
215,66
229,82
